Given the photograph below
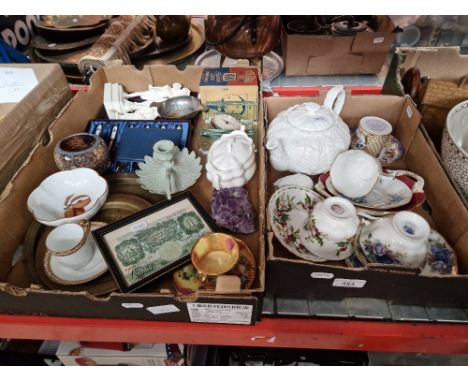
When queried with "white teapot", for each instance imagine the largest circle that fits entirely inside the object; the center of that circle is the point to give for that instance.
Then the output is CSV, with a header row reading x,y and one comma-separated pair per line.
x,y
306,138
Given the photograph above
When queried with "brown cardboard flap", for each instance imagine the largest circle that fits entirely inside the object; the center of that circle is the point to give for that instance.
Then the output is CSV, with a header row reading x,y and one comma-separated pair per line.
x,y
332,65
23,124
372,42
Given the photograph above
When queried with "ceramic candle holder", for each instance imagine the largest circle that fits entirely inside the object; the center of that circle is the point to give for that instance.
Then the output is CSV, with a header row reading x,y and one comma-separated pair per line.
x,y
82,150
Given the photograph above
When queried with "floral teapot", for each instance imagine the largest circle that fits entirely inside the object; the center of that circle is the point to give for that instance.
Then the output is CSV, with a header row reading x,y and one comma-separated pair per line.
x,y
306,138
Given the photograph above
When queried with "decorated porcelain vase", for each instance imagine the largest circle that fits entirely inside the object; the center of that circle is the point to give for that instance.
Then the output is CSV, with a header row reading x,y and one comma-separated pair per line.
x,y
400,239
329,231
306,138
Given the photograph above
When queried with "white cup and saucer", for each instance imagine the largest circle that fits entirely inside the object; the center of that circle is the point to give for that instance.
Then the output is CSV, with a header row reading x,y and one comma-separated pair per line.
x,y
73,256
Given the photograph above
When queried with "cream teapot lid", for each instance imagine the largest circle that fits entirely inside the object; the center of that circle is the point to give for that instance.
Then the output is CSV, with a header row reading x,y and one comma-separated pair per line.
x,y
311,117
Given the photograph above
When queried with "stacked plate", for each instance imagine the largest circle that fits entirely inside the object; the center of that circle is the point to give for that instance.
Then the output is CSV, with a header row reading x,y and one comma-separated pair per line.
x,y
65,39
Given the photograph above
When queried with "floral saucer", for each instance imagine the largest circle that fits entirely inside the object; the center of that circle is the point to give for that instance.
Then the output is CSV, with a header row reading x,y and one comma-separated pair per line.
x,y
65,275
417,194
441,259
288,210
388,193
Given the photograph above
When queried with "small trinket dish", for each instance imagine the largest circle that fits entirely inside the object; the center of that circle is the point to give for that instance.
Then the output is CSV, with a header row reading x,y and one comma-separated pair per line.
x,y
68,197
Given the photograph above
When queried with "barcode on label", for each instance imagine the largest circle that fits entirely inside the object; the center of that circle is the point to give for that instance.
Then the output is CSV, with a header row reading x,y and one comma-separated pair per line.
x,y
221,306
349,283
220,313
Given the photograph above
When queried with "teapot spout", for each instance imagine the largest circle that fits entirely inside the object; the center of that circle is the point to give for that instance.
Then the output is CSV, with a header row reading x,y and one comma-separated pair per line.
x,y
278,156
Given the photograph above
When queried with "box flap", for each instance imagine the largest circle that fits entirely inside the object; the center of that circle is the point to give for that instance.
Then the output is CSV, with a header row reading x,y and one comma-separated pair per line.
x,y
327,65
372,42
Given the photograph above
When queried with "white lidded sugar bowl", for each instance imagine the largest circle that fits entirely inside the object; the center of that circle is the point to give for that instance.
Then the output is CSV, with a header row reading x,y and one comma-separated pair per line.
x,y
306,138
231,160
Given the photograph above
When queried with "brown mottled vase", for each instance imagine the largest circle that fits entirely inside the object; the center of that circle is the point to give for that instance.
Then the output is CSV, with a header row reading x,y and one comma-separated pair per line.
x,y
243,36
173,28
82,150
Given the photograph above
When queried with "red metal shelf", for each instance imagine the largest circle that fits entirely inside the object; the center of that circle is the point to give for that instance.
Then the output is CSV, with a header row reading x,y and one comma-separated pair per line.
x,y
270,332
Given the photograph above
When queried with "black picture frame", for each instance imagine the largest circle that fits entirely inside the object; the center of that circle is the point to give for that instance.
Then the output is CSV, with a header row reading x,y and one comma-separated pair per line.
x,y
121,242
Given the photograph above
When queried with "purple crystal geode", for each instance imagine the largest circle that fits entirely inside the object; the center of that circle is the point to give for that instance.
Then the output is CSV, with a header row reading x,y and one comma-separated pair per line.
x,y
231,209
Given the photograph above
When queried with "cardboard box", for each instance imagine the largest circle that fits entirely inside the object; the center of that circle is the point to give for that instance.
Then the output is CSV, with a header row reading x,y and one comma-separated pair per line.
x,y
113,354
438,63
158,301
230,90
23,124
297,279
364,53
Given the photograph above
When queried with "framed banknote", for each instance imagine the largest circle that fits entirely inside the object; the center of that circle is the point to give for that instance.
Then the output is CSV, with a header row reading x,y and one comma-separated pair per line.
x,y
153,242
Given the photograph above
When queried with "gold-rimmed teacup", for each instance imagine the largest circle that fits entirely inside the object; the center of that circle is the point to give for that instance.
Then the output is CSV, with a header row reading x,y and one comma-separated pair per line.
x,y
71,243
215,254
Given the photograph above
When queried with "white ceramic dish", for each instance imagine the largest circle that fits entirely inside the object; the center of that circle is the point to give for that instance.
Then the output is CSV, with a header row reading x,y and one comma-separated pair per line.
x,y
49,201
288,210
388,193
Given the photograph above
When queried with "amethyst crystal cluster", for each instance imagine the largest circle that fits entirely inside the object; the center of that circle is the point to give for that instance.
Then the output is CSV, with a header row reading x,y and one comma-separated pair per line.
x,y
231,209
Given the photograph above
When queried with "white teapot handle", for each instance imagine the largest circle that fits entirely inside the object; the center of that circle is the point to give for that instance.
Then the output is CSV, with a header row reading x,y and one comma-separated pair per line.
x,y
335,99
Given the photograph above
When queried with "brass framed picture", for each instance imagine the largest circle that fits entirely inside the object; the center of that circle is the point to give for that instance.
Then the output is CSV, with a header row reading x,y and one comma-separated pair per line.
x,y
153,242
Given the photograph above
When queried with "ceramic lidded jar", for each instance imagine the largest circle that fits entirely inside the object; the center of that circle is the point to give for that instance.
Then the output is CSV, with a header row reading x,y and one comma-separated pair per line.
x,y
306,138
329,231
399,239
231,160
